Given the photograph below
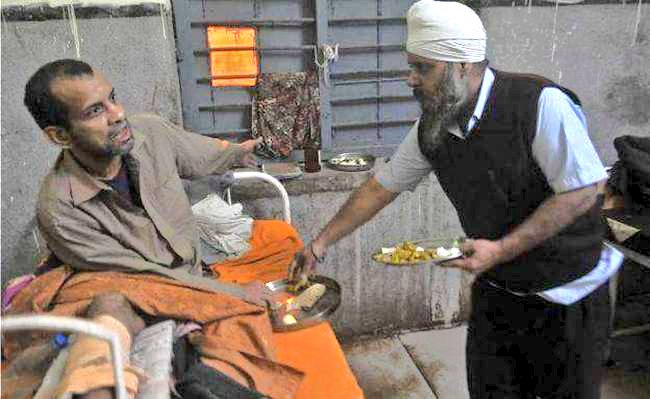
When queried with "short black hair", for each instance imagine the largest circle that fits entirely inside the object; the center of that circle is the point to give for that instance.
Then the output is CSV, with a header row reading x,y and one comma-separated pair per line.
x,y
46,109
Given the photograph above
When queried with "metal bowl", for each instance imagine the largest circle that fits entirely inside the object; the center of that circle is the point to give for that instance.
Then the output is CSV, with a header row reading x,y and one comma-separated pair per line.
x,y
325,306
367,160
282,170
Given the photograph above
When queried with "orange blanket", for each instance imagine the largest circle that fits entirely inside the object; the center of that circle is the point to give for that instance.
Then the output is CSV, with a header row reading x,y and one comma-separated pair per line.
x,y
235,335
273,244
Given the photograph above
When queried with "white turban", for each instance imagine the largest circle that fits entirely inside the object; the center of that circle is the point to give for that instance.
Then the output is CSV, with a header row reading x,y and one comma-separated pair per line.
x,y
445,31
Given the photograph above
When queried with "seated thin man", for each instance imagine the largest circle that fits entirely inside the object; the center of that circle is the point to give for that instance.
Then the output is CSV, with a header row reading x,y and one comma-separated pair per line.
x,y
114,198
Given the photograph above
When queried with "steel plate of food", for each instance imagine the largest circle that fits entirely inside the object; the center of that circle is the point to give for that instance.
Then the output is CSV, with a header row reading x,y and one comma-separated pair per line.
x,y
304,306
352,162
418,252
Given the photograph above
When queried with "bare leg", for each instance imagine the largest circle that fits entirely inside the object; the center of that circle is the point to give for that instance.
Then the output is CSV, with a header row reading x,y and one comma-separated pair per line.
x,y
118,307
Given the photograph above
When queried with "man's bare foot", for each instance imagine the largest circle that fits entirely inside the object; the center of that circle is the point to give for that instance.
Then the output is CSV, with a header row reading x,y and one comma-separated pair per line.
x,y
117,306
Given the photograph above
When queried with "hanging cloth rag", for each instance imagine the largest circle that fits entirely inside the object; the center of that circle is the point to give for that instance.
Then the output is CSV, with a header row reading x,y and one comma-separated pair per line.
x,y
286,113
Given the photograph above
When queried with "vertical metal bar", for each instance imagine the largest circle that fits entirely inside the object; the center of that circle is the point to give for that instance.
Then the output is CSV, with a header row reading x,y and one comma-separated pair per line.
x,y
256,15
256,9
322,16
186,64
212,102
379,109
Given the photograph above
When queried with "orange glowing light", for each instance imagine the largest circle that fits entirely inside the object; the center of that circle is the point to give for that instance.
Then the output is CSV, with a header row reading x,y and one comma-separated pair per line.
x,y
233,56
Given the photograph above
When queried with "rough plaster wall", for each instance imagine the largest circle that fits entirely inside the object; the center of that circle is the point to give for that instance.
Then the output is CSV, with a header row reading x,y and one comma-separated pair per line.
x,y
134,56
592,51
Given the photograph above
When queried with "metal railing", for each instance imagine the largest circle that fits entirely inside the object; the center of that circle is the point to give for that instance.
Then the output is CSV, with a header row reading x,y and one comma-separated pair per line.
x,y
71,324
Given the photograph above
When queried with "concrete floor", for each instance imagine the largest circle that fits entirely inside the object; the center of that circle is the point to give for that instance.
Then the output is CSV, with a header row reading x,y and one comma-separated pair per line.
x,y
431,364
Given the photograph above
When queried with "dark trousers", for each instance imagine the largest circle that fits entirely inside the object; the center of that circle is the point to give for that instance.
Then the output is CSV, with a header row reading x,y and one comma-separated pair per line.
x,y
527,347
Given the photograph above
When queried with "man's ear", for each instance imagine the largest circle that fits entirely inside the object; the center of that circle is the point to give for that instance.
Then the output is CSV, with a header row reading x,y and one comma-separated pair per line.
x,y
58,135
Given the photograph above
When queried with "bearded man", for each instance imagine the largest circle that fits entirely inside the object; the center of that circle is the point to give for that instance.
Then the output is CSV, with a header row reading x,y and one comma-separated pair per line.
x,y
513,155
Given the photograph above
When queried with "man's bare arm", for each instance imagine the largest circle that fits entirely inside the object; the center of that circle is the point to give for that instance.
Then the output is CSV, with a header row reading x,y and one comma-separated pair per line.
x,y
553,215
549,218
361,206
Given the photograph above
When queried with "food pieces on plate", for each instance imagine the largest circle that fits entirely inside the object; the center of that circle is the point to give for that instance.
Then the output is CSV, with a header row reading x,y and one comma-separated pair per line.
x,y
298,285
283,312
281,299
443,252
289,307
404,253
408,253
306,307
344,161
308,298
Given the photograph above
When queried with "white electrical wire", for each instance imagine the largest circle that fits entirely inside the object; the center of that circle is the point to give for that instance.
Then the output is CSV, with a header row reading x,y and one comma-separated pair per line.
x,y
74,29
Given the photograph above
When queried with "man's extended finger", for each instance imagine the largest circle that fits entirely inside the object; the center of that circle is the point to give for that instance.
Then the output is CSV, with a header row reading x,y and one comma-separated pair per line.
x,y
467,246
310,267
249,161
457,263
296,266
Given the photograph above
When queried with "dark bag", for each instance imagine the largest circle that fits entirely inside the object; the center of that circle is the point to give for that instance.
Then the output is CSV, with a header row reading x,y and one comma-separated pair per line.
x,y
195,380
630,176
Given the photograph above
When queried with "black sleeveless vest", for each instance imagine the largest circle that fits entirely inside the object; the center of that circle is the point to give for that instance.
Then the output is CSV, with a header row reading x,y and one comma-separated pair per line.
x,y
494,183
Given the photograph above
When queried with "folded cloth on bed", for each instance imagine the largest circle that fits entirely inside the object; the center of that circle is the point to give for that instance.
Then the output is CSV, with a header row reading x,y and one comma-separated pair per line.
x,y
223,229
273,245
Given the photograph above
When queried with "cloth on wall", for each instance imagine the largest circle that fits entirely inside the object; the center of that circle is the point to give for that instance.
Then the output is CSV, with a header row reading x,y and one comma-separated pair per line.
x,y
273,246
286,113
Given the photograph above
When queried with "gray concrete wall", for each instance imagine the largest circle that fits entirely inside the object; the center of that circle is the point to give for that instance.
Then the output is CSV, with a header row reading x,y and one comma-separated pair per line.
x,y
136,54
601,52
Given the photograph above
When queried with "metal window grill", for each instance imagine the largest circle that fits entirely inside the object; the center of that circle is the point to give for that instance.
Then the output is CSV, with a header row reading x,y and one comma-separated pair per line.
x,y
365,107
232,56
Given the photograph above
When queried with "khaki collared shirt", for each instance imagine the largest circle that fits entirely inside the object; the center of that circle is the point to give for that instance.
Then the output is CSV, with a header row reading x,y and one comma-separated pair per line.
x,y
89,226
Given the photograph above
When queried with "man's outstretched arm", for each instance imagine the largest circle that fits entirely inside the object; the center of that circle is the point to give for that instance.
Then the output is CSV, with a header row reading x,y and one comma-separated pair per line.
x,y
564,152
79,240
361,206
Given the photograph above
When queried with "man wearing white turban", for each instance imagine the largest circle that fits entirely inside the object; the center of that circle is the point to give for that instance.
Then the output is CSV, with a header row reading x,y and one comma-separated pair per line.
x,y
513,155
